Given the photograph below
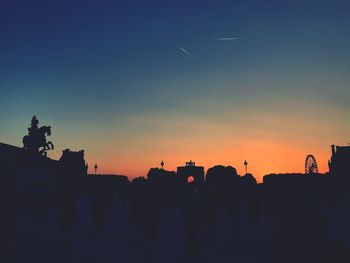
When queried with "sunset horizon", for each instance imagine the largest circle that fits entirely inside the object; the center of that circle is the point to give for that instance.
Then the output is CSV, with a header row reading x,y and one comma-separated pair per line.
x,y
264,157
175,131
134,83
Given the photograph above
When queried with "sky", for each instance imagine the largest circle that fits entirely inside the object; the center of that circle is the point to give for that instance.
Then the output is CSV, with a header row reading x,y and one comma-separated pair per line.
x,y
113,78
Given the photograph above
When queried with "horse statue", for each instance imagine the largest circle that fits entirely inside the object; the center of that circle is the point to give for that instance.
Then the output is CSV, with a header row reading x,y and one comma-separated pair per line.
x,y
36,139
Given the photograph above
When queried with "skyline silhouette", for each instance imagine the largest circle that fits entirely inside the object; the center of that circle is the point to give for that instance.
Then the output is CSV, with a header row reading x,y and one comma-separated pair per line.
x,y
35,142
175,131
241,166
190,215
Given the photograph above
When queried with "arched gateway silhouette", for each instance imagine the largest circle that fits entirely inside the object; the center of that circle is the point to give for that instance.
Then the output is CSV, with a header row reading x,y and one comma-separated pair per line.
x,y
191,170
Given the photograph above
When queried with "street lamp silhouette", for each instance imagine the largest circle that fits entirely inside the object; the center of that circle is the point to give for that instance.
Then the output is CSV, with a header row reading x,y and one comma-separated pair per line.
x,y
246,166
95,168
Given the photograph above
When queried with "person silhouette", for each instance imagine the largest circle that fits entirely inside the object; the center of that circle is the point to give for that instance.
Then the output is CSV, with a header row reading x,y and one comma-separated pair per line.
x,y
33,126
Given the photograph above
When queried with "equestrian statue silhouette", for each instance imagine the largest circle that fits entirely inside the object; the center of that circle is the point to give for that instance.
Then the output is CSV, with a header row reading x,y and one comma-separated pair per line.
x,y
36,139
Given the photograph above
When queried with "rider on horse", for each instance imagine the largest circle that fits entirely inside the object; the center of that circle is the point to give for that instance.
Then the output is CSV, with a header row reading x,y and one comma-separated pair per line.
x,y
36,139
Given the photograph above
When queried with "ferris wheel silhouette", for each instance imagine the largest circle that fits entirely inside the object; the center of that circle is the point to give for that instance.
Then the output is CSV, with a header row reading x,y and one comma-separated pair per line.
x,y
311,166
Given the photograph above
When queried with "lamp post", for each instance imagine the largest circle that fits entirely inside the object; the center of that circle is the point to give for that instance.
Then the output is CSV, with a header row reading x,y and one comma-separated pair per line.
x,y
246,166
95,168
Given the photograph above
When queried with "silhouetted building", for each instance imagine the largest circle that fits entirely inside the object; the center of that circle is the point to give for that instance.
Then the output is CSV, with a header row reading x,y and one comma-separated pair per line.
x,y
23,170
284,180
340,159
73,162
103,183
191,170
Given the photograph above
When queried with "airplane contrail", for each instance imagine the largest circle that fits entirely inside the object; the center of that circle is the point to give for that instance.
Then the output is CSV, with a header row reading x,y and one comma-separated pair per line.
x,y
185,51
225,38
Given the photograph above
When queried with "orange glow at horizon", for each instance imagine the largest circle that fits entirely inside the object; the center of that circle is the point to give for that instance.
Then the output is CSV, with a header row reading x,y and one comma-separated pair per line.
x,y
274,137
270,143
264,157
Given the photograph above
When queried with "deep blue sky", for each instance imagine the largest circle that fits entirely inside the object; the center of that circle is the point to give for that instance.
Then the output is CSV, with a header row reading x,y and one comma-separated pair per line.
x,y
110,78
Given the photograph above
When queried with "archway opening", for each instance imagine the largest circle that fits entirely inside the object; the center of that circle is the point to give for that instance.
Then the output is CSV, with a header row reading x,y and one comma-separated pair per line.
x,y
190,179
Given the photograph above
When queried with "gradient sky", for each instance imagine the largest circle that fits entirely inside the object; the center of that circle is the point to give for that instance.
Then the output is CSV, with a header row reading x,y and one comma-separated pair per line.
x,y
109,77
